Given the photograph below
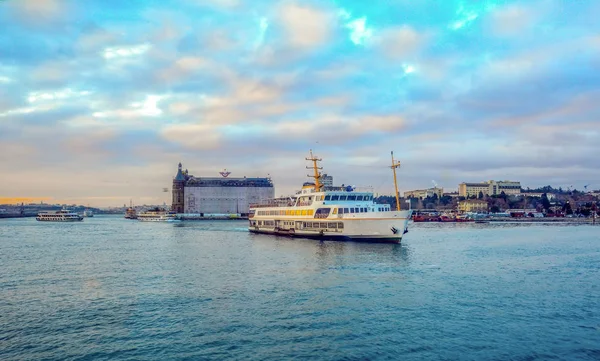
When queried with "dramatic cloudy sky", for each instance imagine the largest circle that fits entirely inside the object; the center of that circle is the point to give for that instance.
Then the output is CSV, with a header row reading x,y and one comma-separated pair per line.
x,y
100,99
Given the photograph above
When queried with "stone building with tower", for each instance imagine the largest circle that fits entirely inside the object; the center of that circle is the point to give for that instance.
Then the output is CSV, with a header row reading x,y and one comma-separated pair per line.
x,y
218,195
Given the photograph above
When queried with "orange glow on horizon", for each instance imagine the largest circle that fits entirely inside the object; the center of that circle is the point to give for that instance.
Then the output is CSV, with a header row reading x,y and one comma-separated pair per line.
x,y
26,200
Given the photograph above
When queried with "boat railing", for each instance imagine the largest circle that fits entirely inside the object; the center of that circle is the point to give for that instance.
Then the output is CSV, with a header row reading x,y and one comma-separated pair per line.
x,y
273,205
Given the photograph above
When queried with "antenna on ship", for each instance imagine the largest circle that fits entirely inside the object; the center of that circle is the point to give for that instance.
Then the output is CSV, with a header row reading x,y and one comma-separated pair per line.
x,y
316,169
394,166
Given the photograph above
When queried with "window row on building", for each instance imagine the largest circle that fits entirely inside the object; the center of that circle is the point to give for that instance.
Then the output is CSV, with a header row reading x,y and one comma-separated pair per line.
x,y
489,188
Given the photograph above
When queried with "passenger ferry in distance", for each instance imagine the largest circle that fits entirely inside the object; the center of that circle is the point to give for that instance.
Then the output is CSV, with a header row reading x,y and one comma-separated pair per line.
x,y
59,216
157,215
336,213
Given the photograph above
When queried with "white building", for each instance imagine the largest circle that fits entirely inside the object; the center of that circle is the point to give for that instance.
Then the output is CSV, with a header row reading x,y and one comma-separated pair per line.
x,y
326,180
225,195
490,188
214,195
424,193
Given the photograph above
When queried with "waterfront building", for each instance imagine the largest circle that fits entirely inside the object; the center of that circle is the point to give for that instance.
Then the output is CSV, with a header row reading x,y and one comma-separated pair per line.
x,y
550,196
424,193
472,205
326,180
490,188
218,195
451,194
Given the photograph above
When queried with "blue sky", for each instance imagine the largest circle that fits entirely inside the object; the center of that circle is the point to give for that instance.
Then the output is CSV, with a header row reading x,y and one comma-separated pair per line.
x,y
100,99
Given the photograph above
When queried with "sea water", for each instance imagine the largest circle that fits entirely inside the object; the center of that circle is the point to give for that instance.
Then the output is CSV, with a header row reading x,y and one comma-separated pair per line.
x,y
109,288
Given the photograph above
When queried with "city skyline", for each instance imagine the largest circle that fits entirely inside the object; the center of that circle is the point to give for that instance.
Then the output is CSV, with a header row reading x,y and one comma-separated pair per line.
x,y
99,103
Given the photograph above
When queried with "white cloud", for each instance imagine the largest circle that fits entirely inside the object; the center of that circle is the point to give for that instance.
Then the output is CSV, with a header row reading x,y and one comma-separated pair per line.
x,y
305,26
68,93
359,31
125,51
221,4
263,25
147,108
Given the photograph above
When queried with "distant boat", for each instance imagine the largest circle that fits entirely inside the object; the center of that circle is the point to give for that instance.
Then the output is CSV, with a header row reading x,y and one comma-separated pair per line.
x,y
131,213
59,216
157,215
88,213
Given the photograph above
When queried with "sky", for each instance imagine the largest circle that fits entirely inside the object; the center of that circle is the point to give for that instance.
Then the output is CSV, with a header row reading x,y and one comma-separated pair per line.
x,y
100,99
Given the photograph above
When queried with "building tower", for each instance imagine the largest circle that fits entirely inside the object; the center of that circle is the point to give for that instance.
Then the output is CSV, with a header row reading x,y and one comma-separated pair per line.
x,y
178,191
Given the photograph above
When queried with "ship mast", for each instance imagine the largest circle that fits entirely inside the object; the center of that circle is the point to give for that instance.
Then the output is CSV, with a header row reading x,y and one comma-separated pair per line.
x,y
316,168
394,166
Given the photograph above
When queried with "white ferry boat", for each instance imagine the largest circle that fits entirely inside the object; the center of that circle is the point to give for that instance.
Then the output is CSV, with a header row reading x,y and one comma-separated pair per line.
x,y
59,216
336,213
157,215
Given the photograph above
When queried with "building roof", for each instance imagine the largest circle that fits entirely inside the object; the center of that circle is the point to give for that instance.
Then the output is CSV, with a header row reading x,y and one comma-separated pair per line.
x,y
180,176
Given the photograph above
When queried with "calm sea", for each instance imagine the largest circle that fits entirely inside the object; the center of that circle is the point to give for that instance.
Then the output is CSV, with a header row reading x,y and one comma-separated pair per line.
x,y
108,288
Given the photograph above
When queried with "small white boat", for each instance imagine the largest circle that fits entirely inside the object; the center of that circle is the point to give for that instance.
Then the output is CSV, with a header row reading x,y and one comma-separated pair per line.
x,y
157,215
63,215
88,213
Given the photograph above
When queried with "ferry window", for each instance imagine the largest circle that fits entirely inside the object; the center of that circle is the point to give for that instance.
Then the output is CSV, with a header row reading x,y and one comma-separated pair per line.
x,y
351,198
364,210
351,210
341,210
304,212
323,225
342,198
340,225
357,210
346,210
332,225
335,211
311,212
335,198
298,212
327,197
359,198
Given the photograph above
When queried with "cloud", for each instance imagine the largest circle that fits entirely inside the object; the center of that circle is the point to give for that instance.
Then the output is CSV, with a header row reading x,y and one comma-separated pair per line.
x,y
306,27
512,20
400,43
193,136
125,51
35,13
476,90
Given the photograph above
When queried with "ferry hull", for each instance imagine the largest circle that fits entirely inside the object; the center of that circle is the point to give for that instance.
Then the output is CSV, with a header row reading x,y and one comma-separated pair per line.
x,y
331,237
360,229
